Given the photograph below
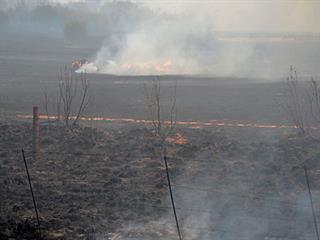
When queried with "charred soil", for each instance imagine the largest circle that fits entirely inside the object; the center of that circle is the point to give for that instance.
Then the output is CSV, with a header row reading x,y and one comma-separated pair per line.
x,y
96,183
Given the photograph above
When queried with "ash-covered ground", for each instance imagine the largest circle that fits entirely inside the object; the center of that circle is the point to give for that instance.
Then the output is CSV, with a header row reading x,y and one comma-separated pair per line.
x,y
111,184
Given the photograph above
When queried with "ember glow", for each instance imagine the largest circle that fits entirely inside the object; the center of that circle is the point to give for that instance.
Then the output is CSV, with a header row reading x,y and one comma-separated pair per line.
x,y
189,124
178,139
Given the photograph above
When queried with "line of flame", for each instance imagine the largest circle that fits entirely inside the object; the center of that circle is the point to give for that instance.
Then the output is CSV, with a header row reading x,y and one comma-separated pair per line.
x,y
191,124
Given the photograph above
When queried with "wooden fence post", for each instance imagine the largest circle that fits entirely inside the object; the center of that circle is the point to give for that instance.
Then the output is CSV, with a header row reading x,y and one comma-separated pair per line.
x,y
36,133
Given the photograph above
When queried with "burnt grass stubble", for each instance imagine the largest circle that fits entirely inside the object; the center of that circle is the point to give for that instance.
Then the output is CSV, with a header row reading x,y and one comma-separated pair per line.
x,y
91,182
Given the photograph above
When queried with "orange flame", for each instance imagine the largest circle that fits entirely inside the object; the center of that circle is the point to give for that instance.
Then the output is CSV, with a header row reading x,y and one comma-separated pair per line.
x,y
145,67
189,124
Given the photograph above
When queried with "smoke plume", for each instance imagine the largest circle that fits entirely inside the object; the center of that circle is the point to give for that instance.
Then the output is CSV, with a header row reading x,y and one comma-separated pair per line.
x,y
190,38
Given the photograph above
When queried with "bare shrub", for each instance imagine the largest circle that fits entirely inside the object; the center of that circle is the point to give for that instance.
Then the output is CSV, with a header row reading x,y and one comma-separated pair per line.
x,y
314,100
163,118
46,100
71,100
294,104
68,90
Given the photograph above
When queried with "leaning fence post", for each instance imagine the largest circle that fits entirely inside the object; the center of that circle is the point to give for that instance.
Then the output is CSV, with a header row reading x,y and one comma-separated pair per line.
x,y
36,133
311,202
171,194
31,190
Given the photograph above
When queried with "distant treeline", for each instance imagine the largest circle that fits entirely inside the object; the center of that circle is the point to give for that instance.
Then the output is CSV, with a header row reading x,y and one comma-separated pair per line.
x,y
74,21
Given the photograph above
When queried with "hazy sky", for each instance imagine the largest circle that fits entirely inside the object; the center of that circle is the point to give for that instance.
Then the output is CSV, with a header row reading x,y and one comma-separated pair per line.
x,y
184,40
235,15
254,15
245,15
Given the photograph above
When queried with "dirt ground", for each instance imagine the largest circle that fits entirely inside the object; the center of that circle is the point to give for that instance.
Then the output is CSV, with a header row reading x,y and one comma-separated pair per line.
x,y
110,184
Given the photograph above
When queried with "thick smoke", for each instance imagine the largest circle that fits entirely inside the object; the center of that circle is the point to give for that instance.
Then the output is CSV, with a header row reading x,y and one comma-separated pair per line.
x,y
186,40
171,44
242,39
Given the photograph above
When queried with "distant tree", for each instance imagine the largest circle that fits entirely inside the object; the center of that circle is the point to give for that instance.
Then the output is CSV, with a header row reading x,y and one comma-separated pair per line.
x,y
47,13
3,18
75,31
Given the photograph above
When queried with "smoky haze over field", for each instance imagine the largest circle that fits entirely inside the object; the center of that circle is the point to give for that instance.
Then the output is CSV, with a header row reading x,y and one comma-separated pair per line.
x,y
244,39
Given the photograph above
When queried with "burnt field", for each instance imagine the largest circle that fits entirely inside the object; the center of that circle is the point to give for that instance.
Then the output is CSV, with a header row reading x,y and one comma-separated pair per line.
x,y
111,184
108,181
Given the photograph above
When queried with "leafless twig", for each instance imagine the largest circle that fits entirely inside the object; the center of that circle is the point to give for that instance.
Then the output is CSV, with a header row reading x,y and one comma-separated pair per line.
x,y
68,91
314,100
162,126
293,103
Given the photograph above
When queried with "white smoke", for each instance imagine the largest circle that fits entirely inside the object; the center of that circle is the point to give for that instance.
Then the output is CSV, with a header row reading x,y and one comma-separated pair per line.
x,y
182,44
186,40
181,37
